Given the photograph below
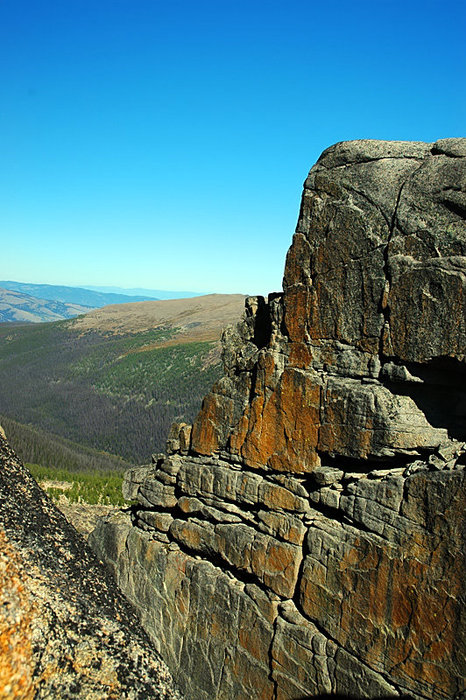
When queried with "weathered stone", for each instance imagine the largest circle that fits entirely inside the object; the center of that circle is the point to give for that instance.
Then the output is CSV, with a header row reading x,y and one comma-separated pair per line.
x,y
305,662
325,476
369,421
185,438
154,493
193,506
326,498
274,563
396,605
179,438
282,525
375,504
64,630
153,485
282,426
133,480
321,492
200,479
427,264
159,521
204,623
373,234
280,497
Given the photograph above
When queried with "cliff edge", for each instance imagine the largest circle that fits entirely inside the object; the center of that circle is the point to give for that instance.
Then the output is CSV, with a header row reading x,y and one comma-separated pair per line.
x,y
307,535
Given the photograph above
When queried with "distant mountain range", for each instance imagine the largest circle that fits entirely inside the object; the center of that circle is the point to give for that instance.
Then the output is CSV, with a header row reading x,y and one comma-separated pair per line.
x,y
22,302
151,293
24,308
72,295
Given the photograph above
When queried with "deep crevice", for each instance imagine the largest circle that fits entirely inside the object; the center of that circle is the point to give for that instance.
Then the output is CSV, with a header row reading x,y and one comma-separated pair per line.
x,y
149,509
305,552
436,151
358,465
270,659
255,524
346,164
339,516
440,393
262,324
179,514
252,390
221,564
455,207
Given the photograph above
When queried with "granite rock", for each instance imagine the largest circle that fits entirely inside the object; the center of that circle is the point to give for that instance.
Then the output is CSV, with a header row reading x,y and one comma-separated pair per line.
x,y
65,630
307,536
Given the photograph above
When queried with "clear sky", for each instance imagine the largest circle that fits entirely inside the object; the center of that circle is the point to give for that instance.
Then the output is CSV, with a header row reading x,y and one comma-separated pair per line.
x,y
163,144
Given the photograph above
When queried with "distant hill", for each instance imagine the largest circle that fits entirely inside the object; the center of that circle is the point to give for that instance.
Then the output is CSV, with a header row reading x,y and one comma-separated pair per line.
x,y
152,293
195,318
116,378
71,295
23,308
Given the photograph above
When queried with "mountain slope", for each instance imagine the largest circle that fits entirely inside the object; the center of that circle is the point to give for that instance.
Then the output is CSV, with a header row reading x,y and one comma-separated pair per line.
x,y
117,381
25,308
70,295
38,446
199,318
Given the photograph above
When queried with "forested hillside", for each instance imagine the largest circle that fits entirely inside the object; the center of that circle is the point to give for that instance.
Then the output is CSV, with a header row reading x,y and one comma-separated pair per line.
x,y
115,391
37,446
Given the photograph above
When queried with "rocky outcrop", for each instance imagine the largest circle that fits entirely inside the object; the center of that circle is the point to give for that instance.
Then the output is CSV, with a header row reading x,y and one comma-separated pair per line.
x,y
65,632
307,536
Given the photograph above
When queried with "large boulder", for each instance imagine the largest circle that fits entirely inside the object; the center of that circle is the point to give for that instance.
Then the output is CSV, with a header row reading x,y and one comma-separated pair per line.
x,y
307,536
371,328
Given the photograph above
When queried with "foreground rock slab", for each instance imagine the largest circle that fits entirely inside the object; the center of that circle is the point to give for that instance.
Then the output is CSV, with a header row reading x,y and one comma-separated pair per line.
x,y
65,631
307,534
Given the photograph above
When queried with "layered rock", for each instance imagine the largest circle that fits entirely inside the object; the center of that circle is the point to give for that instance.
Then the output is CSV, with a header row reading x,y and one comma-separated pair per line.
x,y
307,535
65,631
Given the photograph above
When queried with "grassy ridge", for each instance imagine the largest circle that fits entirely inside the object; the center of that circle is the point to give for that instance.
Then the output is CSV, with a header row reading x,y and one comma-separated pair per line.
x,y
114,393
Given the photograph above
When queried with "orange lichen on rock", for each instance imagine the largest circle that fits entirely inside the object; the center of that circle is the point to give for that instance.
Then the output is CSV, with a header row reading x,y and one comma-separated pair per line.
x,y
325,479
283,426
204,434
65,631
396,605
17,613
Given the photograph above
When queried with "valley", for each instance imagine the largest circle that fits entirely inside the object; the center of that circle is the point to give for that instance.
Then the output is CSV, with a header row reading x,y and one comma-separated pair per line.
x,y
112,381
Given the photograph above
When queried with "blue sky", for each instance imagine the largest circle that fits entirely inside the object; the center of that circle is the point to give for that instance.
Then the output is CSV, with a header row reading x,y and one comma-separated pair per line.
x,y
164,144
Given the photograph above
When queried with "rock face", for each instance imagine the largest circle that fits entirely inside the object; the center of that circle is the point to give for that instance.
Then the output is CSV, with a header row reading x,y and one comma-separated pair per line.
x,y
65,632
307,535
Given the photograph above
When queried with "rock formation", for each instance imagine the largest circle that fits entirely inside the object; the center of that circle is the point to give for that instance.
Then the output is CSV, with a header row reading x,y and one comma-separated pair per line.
x,y
64,630
307,535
